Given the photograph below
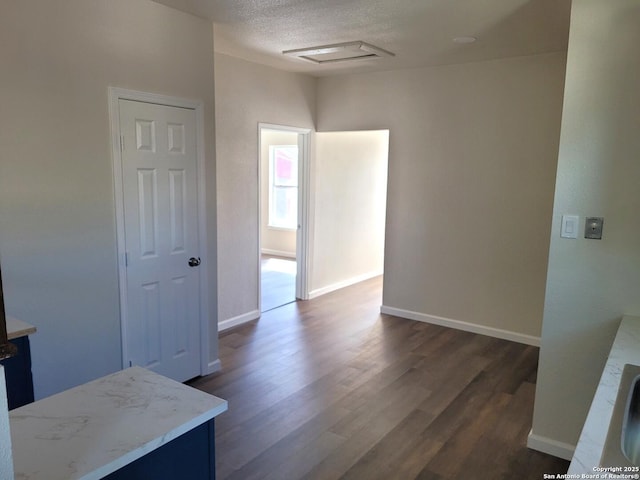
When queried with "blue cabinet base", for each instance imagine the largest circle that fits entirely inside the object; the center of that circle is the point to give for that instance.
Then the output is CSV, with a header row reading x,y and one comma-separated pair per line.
x,y
191,455
17,371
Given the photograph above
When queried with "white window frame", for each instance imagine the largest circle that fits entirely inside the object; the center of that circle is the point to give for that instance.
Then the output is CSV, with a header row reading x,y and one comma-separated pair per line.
x,y
271,223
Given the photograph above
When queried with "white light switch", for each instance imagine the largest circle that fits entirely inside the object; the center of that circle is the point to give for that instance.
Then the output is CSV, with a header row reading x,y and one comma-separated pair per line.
x,y
569,226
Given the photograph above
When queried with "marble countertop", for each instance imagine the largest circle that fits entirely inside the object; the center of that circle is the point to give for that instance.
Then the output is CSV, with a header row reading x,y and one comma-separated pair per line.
x,y
17,328
625,349
92,430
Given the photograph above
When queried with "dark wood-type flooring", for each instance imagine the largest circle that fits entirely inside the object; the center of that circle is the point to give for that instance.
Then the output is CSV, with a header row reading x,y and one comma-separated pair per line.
x,y
332,389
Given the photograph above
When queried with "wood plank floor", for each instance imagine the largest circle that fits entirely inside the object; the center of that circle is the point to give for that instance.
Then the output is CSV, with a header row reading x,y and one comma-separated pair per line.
x,y
332,389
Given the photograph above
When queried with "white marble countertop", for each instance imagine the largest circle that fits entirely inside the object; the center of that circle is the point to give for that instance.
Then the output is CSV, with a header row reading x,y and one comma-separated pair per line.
x,y
625,349
17,328
92,430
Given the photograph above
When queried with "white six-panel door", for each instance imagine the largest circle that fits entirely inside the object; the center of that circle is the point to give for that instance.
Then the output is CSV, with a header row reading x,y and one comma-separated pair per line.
x,y
159,170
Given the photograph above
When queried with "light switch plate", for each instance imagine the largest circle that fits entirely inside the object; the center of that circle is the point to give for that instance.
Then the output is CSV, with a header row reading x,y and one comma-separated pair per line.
x,y
569,226
593,228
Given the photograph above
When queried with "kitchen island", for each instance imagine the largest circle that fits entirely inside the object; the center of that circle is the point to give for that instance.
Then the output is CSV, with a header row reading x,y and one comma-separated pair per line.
x,y
589,450
128,425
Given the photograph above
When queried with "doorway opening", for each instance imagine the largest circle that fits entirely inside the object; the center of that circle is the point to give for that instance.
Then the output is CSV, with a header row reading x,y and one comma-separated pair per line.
x,y
349,208
283,170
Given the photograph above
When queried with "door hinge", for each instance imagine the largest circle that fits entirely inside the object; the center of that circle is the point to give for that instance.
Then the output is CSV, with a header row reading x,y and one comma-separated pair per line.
x,y
121,143
126,259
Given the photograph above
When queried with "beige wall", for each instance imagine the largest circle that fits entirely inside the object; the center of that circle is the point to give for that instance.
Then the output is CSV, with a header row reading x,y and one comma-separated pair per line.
x,y
274,241
348,208
592,283
247,94
471,175
57,220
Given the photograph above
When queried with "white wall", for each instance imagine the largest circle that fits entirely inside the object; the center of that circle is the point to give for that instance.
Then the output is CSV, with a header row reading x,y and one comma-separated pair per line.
x,y
6,458
472,162
274,241
350,192
57,220
246,94
592,283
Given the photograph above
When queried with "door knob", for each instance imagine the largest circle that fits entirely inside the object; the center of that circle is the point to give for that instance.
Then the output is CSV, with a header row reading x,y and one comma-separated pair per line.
x,y
194,262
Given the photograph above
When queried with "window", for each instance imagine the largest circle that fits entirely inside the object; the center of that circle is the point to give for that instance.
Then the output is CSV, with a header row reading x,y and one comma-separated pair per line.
x,y
283,186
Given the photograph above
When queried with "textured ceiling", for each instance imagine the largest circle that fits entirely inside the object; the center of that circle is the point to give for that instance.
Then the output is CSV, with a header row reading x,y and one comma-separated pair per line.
x,y
419,32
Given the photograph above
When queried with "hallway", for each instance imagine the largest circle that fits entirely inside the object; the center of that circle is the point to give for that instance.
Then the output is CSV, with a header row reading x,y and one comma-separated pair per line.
x,y
331,389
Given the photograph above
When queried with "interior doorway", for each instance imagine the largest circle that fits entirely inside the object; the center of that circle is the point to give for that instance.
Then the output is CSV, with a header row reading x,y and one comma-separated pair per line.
x,y
160,211
283,164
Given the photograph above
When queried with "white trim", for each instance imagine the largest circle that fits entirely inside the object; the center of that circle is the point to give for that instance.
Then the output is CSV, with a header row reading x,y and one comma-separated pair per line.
x,y
278,253
342,284
115,95
206,316
116,155
302,236
460,325
550,446
281,229
213,367
284,128
287,226
239,320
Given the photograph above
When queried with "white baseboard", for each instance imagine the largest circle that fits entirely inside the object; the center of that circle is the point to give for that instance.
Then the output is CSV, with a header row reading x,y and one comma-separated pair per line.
x,y
278,253
345,283
239,320
460,325
213,367
550,446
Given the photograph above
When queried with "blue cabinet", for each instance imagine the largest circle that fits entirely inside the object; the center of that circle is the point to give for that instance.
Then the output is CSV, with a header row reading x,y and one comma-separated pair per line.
x,y
17,371
191,455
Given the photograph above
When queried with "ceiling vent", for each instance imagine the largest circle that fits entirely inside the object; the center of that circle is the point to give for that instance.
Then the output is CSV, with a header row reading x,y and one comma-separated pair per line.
x,y
339,52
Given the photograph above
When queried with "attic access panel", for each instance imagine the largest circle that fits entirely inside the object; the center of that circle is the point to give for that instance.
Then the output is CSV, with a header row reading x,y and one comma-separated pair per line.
x,y
339,52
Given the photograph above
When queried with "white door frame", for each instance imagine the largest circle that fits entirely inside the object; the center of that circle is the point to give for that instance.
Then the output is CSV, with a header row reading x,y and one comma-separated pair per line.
x,y
115,95
303,239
